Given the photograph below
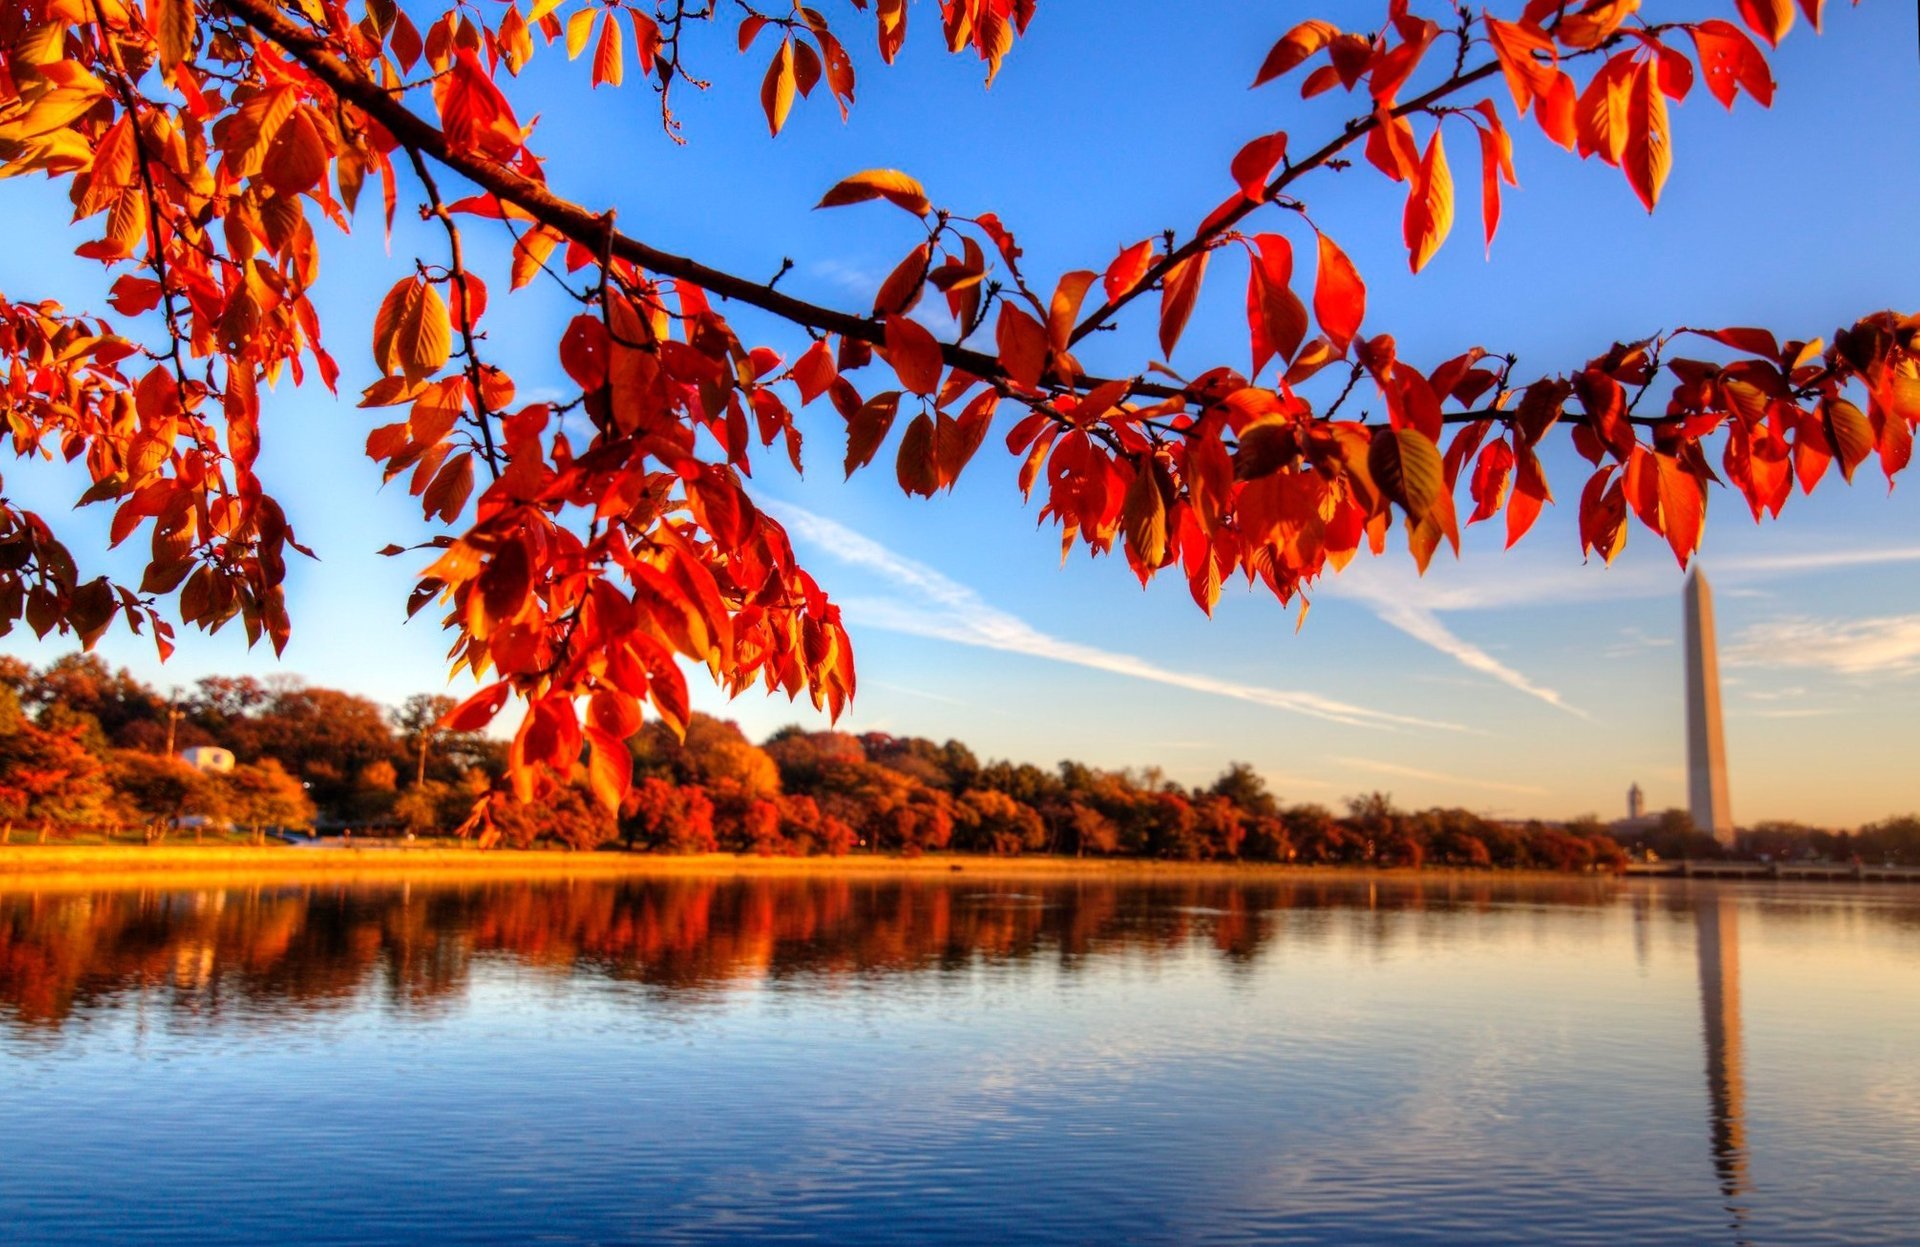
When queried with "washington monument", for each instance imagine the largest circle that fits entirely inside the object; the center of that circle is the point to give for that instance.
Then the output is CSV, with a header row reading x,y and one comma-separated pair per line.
x,y
1706,747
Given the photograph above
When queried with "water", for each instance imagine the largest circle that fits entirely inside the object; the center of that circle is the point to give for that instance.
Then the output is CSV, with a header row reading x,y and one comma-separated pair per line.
x,y
961,1060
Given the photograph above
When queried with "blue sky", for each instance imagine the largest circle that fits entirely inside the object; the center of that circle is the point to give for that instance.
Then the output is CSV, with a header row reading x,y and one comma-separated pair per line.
x,y
1518,683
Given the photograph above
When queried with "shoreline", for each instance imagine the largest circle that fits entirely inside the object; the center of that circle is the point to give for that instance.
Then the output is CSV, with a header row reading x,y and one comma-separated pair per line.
x,y
181,865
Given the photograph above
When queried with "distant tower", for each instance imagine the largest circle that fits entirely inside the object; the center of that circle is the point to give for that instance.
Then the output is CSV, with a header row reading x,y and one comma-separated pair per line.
x,y
1636,802
1706,747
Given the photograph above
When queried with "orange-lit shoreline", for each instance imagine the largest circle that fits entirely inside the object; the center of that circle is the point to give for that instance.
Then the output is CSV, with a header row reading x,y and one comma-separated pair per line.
x,y
107,865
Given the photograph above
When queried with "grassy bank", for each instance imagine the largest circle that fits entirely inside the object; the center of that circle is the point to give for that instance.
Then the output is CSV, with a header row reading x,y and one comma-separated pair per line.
x,y
184,865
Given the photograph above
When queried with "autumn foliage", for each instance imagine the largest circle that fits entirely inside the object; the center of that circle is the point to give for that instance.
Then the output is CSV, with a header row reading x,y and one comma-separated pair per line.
x,y
211,145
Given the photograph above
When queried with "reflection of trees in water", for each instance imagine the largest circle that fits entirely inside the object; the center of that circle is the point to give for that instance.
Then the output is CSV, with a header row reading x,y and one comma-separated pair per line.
x,y
287,949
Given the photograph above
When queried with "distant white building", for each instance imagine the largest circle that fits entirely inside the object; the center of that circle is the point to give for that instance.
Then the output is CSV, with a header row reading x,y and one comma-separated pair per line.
x,y
1636,803
208,758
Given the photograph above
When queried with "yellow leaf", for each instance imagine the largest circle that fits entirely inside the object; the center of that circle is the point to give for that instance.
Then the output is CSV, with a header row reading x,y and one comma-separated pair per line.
x,y
889,184
777,89
174,29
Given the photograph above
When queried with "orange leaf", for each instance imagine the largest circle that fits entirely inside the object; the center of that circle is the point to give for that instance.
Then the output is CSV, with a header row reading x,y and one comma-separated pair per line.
x,y
889,184
914,355
1731,63
1770,19
1276,319
1255,162
609,765
867,428
606,56
1496,164
1127,269
1429,213
916,467
1064,308
777,88
1294,47
1339,296
1023,345
1849,433
1144,516
1515,46
813,372
1683,506
174,30
1529,492
478,710
1648,155
1407,465
1178,292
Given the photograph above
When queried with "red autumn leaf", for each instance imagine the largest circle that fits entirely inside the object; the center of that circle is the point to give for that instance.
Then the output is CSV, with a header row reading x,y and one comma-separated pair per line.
x,y
916,467
1064,308
1127,269
914,355
478,710
1294,47
1276,319
1178,292
1770,19
1530,491
1429,212
1023,345
1683,506
609,765
1254,163
1339,296
1648,154
1731,63
1488,486
813,372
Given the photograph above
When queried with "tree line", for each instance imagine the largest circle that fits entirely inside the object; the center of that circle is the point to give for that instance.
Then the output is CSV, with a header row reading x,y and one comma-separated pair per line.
x,y
86,748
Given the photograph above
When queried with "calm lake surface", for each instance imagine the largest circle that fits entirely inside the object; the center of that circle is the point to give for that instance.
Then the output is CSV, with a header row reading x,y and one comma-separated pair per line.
x,y
966,1060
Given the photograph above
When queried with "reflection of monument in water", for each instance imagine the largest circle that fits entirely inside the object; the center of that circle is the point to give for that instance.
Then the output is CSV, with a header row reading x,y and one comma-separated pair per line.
x,y
1717,938
1706,747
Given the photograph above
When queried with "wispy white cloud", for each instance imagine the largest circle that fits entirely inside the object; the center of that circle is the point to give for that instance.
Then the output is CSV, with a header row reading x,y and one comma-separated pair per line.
x,y
1887,645
1414,604
1424,626
1814,560
1636,641
944,609
917,692
1437,777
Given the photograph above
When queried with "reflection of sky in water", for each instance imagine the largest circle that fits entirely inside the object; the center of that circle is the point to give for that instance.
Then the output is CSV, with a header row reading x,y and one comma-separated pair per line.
x,y
1080,1062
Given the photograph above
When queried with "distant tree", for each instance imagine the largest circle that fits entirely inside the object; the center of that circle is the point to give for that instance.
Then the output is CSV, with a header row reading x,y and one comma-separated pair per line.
x,y
433,808
1166,826
157,788
1243,786
568,815
261,794
987,821
47,776
324,737
1318,836
1893,840
712,751
1267,839
809,762
1222,826
419,723
1084,830
659,814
